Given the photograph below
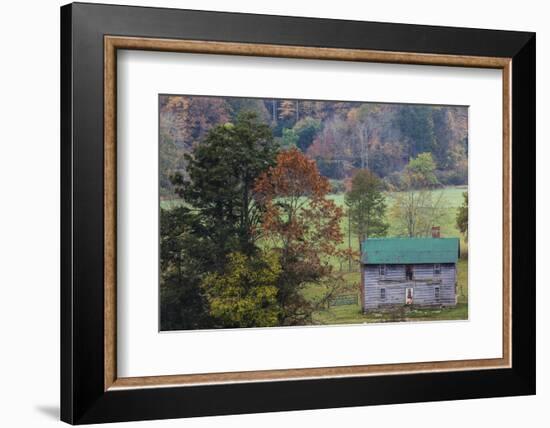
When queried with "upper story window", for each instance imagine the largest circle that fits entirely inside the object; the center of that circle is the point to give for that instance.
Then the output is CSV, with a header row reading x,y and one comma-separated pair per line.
x,y
409,272
382,270
437,269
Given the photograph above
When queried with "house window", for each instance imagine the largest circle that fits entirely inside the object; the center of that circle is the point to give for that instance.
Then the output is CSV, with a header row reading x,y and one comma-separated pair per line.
x,y
436,292
382,294
437,269
409,272
382,270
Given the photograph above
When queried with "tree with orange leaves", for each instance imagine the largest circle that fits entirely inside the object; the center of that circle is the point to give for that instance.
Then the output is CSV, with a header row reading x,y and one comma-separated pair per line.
x,y
303,226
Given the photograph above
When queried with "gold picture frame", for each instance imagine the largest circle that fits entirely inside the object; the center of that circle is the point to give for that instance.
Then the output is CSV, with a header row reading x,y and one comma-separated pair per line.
x,y
114,43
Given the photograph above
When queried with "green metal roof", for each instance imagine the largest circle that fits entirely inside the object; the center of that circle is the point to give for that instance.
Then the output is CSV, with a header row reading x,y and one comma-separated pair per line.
x,y
410,250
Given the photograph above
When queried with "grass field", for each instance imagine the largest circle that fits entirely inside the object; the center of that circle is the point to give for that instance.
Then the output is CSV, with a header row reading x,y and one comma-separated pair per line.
x,y
351,313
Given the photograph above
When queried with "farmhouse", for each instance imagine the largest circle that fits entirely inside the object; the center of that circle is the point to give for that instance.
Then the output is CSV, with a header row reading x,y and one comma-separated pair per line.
x,y
409,271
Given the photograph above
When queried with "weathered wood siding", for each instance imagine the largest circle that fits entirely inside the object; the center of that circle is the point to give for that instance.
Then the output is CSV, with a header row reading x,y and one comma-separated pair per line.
x,y
395,283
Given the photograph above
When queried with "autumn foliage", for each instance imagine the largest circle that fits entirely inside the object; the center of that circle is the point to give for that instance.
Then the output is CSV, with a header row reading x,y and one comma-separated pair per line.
x,y
302,224
245,294
298,214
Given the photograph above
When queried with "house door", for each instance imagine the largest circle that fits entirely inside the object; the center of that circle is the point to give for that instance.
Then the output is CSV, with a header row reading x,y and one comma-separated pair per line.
x,y
409,296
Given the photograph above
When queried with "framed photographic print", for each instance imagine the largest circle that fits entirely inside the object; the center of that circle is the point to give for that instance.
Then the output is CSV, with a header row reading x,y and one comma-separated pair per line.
x,y
266,213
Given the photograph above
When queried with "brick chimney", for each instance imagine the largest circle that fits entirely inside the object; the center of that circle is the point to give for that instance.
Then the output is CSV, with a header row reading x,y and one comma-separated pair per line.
x,y
436,232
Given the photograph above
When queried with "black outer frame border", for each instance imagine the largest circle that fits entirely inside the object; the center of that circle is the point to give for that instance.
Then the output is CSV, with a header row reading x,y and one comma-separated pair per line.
x,y
83,399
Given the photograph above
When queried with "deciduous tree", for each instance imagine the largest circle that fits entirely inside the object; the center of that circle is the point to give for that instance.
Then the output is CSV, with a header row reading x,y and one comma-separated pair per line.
x,y
245,293
289,138
287,110
419,206
302,225
462,216
420,172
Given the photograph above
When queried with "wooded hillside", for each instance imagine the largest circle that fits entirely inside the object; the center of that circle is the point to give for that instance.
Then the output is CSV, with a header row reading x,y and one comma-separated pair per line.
x,y
340,136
